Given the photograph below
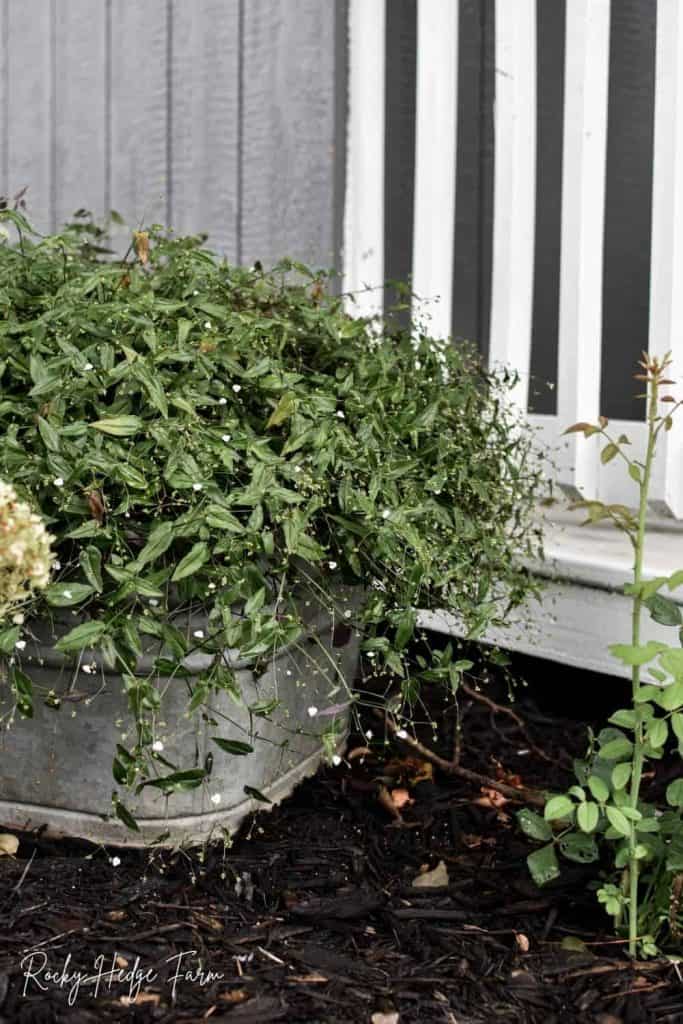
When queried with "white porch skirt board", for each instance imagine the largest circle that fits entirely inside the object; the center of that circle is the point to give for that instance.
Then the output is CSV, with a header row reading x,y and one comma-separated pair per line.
x,y
582,611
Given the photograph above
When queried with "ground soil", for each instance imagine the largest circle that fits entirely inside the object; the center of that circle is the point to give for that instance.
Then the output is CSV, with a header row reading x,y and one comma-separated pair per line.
x,y
313,915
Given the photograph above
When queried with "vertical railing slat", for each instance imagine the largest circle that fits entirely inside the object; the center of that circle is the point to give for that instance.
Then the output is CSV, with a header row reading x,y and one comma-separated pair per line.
x,y
514,190
435,150
583,195
666,274
364,217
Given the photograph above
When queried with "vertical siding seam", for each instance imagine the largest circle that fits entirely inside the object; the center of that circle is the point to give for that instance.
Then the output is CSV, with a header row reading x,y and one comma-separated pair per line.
x,y
52,171
169,113
107,106
239,217
4,15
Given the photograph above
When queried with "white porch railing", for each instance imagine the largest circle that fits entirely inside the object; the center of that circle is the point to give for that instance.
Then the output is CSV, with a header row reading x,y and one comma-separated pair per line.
x,y
586,78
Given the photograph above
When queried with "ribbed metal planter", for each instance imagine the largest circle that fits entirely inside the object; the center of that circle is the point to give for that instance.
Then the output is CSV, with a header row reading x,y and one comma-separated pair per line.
x,y
55,769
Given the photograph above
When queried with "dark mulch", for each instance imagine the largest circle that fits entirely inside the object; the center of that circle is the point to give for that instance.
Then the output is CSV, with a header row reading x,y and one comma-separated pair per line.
x,y
312,916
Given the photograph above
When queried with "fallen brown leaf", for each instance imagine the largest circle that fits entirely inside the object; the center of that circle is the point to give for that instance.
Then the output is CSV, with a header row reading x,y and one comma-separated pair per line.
x,y
141,243
358,752
308,979
116,915
153,998
491,798
235,995
401,798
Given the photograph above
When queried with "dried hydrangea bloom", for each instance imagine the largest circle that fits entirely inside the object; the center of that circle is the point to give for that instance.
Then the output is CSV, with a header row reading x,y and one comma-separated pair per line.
x,y
25,556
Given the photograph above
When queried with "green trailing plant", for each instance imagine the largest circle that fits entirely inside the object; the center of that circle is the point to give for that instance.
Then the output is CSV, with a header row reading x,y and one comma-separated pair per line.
x,y
644,897
204,437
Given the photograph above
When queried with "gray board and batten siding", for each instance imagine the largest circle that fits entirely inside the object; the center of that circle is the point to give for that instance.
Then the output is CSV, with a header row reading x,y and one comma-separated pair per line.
x,y
223,116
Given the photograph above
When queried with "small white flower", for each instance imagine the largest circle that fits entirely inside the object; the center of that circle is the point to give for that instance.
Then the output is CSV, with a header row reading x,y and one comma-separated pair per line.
x,y
88,366
312,711
199,633
157,746
115,861
20,645
212,586
336,760
226,438
237,388
369,734
288,672
87,669
402,734
18,619
68,594
58,481
216,798
332,565
386,513
207,324
340,415
197,487
222,401
347,613
153,601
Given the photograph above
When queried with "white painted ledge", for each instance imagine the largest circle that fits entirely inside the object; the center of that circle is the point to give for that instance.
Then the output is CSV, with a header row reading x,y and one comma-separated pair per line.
x,y
583,609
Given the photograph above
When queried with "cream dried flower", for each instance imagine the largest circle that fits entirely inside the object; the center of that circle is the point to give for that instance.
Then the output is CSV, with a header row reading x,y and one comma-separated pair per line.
x,y
25,556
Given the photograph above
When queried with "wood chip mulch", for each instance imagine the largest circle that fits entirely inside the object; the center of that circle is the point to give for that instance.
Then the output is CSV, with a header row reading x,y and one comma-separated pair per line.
x,y
313,915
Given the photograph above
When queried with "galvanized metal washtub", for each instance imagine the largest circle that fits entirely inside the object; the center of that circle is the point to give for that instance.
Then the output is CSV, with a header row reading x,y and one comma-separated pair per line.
x,y
55,769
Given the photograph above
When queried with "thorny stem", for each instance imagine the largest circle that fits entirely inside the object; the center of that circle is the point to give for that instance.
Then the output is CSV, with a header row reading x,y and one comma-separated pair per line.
x,y
637,759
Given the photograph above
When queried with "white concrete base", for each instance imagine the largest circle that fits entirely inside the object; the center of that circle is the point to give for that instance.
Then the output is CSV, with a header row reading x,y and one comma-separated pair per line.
x,y
583,608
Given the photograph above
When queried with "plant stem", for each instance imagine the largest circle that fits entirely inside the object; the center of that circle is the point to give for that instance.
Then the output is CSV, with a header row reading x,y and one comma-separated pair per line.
x,y
637,759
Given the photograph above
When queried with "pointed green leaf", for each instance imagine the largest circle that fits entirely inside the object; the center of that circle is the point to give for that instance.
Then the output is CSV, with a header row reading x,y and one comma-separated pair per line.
x,y
119,426
193,560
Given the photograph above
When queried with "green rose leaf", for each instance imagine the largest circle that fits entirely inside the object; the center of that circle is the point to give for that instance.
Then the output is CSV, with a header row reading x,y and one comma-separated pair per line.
x,y
664,610
618,821
587,816
657,732
533,825
599,789
621,773
674,793
639,654
543,865
558,807
579,847
616,750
